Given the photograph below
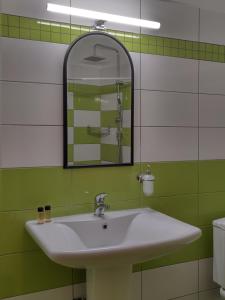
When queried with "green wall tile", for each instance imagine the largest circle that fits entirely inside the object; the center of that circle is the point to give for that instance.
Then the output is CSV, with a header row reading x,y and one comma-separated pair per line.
x,y
202,248
126,137
24,22
14,21
110,153
174,206
12,224
211,176
82,136
31,187
30,272
108,118
92,103
173,178
24,33
134,42
14,32
211,207
118,182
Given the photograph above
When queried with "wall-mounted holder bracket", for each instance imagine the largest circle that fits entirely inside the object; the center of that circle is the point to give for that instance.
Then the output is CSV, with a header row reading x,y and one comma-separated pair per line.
x,y
99,25
147,179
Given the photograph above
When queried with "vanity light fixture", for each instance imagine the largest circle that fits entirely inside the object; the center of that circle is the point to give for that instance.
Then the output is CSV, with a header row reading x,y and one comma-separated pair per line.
x,y
96,15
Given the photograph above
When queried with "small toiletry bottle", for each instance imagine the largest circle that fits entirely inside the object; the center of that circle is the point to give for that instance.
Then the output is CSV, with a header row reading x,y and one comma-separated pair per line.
x,y
41,215
47,213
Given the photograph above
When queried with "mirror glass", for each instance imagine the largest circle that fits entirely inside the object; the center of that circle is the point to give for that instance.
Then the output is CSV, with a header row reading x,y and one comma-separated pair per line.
x,y
98,103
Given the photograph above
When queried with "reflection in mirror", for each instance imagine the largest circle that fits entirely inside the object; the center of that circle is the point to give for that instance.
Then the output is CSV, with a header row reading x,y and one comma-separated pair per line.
x,y
98,103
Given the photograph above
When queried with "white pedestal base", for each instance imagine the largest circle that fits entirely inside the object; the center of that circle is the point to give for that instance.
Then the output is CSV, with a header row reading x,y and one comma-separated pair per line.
x,y
112,283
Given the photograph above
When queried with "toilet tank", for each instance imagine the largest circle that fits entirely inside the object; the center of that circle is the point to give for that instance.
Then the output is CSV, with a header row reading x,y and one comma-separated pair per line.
x,y
219,252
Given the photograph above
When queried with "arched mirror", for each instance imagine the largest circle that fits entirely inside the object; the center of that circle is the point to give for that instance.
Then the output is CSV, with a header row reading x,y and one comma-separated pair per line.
x,y
98,103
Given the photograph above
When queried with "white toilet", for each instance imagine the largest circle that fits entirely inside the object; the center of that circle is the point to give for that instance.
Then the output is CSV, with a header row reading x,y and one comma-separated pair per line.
x,y
219,254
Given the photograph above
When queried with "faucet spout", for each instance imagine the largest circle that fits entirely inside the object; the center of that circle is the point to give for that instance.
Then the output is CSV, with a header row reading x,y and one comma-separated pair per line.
x,y
100,205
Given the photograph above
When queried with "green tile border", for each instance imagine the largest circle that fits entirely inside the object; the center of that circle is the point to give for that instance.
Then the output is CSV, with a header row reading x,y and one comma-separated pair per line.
x,y
63,33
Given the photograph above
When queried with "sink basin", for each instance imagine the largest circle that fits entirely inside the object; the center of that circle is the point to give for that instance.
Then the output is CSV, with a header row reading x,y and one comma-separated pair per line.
x,y
120,237
108,246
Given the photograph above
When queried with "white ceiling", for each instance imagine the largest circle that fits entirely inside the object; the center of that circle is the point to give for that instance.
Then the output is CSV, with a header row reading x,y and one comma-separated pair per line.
x,y
216,5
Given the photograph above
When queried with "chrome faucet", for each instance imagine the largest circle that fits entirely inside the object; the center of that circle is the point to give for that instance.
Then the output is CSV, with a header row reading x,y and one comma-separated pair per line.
x,y
100,205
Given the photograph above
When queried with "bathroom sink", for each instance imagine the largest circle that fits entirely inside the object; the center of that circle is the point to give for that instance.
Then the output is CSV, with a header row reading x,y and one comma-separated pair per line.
x,y
120,237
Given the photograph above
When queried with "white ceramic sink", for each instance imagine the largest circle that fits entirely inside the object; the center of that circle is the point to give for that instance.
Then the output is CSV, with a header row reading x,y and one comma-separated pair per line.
x,y
121,237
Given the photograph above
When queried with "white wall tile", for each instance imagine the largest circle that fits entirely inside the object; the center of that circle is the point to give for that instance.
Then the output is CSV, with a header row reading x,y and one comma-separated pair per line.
x,y
32,61
206,274
83,118
27,146
30,103
34,9
169,109
63,293
169,144
110,139
211,110
168,73
212,27
137,144
126,154
136,58
129,8
70,100
84,152
170,282
211,143
109,102
211,77
177,20
70,132
137,108
126,118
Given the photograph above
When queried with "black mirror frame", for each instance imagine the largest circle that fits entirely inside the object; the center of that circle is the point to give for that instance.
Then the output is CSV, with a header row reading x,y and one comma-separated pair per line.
x,y
65,135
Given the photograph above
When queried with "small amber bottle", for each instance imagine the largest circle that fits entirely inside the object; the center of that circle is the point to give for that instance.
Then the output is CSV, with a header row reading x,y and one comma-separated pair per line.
x,y
41,215
48,213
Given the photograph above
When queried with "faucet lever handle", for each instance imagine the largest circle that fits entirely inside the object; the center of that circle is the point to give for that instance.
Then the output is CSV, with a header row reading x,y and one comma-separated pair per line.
x,y
100,197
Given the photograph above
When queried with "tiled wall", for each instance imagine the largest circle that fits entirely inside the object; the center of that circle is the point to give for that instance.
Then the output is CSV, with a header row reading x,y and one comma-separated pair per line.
x,y
179,127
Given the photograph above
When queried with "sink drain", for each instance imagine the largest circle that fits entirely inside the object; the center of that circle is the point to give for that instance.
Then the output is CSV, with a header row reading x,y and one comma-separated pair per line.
x,y
104,226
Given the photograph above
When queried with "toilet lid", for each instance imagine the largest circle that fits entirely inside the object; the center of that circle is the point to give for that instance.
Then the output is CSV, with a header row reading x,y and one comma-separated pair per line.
x,y
219,223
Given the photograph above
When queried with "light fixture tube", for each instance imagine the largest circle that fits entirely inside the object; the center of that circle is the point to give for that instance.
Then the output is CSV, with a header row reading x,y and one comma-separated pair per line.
x,y
91,14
